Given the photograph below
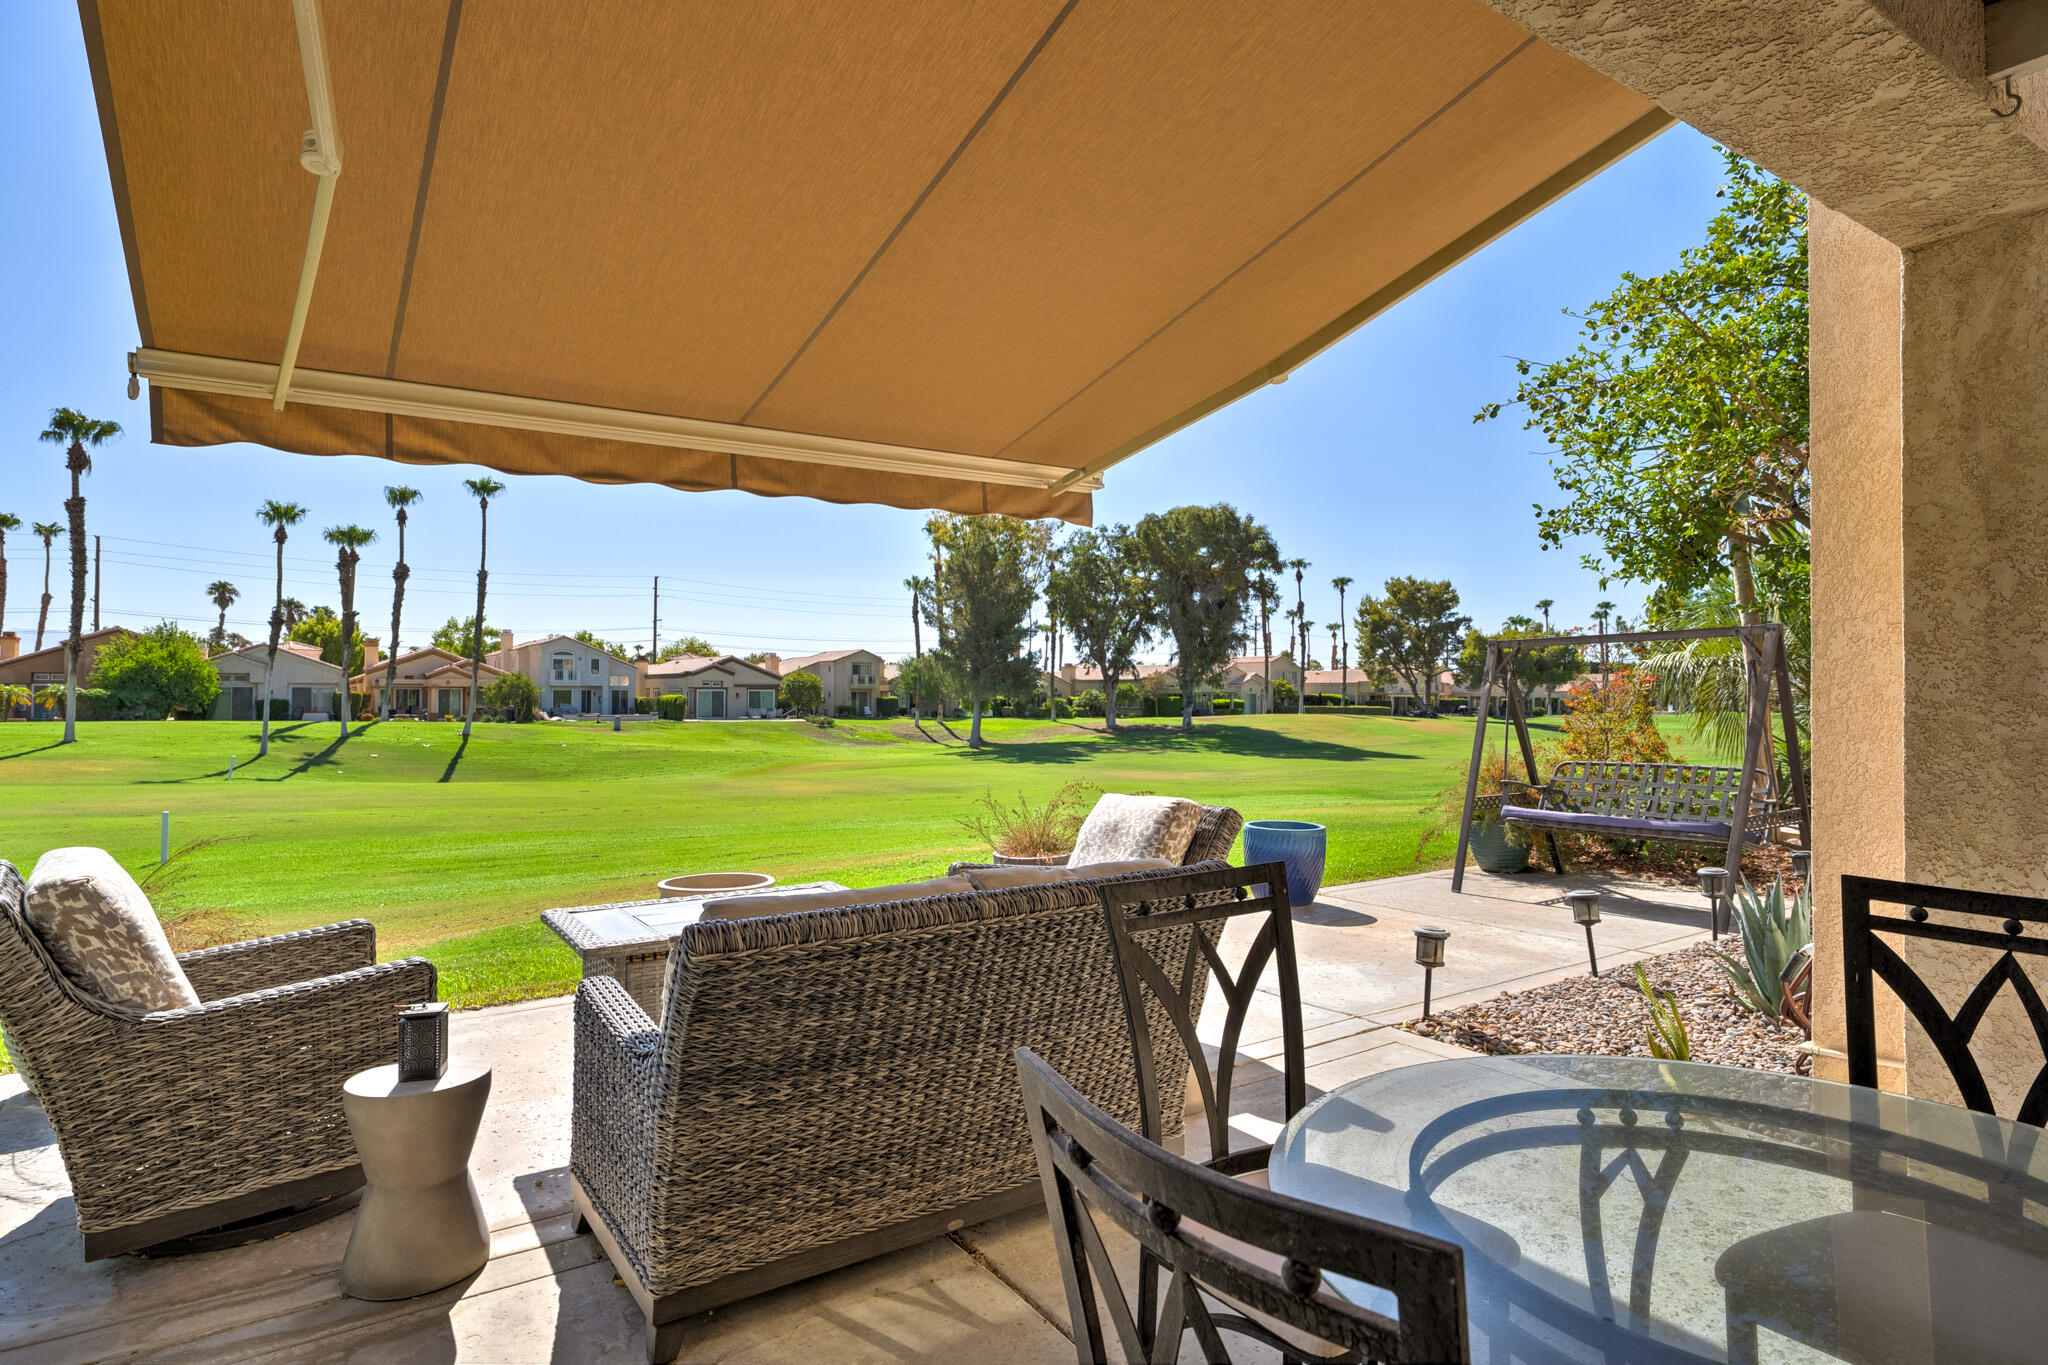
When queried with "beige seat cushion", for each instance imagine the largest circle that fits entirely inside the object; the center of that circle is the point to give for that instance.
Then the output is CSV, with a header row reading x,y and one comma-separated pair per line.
x,y
1003,878
101,931
750,907
1087,871
1122,827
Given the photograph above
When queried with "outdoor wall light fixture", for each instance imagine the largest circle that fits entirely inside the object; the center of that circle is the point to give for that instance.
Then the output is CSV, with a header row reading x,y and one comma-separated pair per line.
x,y
1714,886
1429,955
1802,864
1586,910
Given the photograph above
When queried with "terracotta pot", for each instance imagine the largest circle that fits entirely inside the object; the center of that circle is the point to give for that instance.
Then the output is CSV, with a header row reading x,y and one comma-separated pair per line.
x,y
708,883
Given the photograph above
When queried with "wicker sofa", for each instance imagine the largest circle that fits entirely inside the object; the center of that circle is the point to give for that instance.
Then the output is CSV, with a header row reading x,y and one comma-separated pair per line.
x,y
831,1085
178,1121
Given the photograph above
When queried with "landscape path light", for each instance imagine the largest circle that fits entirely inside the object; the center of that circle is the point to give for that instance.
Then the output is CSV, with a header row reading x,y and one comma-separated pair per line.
x,y
1586,910
1714,886
1429,955
1802,864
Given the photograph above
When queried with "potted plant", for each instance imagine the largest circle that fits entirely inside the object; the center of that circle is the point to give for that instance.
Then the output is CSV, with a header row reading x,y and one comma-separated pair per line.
x,y
1025,835
1496,846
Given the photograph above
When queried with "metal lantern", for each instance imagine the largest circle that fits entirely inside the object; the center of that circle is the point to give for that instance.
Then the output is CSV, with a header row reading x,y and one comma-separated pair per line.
x,y
1586,910
1802,864
423,1041
1429,955
1714,886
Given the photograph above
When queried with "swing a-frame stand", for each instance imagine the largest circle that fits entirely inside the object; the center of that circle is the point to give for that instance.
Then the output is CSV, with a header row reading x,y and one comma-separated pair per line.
x,y
1673,802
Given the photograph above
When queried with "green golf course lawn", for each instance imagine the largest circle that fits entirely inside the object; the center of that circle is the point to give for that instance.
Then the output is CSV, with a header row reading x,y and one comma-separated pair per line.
x,y
452,850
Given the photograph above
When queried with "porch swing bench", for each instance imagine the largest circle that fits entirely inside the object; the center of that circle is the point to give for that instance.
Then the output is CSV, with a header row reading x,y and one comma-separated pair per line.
x,y
1682,803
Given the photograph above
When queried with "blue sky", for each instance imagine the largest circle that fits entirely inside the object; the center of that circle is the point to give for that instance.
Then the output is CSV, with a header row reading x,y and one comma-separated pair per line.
x,y
1366,463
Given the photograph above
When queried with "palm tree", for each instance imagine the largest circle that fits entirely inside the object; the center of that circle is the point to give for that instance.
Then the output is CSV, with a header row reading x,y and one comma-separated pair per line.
x,y
348,542
1336,645
8,522
1601,611
484,490
1544,606
78,434
1267,594
285,612
918,588
399,498
13,695
223,595
49,531
1300,566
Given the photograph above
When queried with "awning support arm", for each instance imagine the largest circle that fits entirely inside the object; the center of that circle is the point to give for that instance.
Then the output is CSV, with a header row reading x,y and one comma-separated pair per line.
x,y
320,153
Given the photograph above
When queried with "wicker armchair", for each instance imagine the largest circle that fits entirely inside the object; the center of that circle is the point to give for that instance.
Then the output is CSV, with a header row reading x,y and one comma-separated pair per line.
x,y
177,1121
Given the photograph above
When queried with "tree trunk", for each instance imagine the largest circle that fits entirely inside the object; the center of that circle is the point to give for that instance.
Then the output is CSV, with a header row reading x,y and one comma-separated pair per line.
x,y
974,729
74,509
917,655
1745,586
43,615
3,587
398,577
270,664
1109,682
346,565
1187,708
476,638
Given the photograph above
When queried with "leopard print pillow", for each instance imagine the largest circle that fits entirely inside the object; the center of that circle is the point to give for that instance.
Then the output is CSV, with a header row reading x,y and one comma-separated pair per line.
x,y
1125,827
101,931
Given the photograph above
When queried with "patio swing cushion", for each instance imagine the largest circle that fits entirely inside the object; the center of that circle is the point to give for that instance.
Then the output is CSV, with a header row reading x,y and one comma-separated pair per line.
x,y
1685,802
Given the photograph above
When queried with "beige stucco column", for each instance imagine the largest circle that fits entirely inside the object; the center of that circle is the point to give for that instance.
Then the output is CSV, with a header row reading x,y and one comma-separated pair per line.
x,y
1930,606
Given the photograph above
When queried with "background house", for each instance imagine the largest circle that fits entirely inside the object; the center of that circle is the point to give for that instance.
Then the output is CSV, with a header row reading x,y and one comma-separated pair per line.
x,y
301,679
725,688
574,678
852,678
429,682
45,667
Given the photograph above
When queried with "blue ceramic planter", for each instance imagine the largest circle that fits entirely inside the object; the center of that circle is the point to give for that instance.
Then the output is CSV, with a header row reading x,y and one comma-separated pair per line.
x,y
1297,843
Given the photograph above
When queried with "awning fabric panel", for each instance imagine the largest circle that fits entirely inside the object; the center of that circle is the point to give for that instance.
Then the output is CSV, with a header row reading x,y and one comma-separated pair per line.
x,y
1027,230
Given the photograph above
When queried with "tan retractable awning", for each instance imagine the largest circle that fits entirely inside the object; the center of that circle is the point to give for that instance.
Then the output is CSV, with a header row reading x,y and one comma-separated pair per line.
x,y
926,253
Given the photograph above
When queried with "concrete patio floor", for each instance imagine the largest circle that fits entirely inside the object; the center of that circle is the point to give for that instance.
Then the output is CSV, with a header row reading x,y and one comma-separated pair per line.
x,y
987,1293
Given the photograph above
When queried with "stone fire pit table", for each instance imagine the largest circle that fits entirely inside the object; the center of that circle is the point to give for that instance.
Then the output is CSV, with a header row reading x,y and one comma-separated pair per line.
x,y
630,940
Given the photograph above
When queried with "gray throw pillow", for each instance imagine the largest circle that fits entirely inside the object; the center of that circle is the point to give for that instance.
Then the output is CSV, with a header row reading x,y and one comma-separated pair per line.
x,y
101,931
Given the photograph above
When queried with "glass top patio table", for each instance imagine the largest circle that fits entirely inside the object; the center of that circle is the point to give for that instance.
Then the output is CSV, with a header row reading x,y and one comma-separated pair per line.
x,y
1622,1209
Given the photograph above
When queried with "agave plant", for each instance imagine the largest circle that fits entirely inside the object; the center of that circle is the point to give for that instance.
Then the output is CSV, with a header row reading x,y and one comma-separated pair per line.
x,y
1668,1040
1773,930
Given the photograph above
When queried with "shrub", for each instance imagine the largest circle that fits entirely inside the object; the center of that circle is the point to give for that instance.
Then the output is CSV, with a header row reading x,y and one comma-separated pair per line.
x,y
643,706
887,708
1092,702
1127,697
280,708
1227,706
515,695
1064,709
1025,831
1284,694
802,692
842,710
671,707
822,722
1613,720
161,670
94,704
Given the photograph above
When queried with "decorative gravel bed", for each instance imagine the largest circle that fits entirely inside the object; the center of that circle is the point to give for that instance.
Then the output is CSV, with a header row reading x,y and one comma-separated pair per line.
x,y
1606,1015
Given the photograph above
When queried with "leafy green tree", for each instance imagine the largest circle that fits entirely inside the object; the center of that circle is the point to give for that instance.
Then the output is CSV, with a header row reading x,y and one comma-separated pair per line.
x,y
1680,423
1100,590
928,677
47,532
223,595
79,435
514,696
596,641
1411,632
802,692
322,626
8,522
1285,694
689,644
483,490
348,543
1706,677
156,672
1551,666
1201,563
285,612
990,581
454,636
398,498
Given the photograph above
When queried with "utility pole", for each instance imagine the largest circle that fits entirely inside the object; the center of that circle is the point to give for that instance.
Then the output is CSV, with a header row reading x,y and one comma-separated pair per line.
x,y
654,644
95,582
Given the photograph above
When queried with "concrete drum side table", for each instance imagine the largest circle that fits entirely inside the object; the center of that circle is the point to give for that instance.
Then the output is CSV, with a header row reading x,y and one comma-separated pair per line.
x,y
420,1226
